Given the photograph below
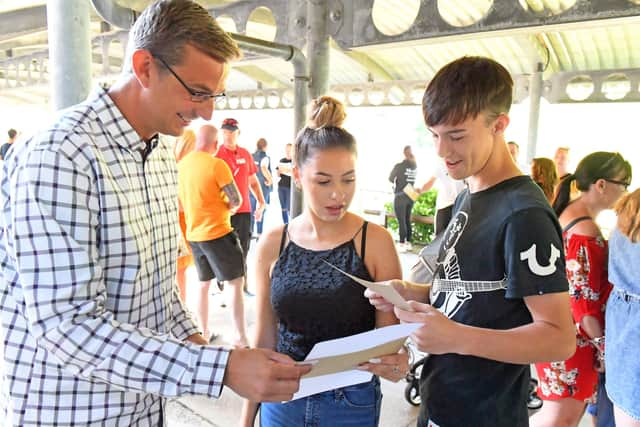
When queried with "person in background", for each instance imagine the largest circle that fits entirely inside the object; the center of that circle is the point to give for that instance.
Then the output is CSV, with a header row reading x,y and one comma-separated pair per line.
x,y
209,196
403,177
514,150
499,299
284,183
623,313
94,330
448,190
298,292
568,385
184,145
263,167
244,172
544,173
13,134
561,159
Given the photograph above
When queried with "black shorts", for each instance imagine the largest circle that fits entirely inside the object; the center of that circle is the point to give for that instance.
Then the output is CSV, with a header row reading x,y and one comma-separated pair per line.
x,y
221,258
241,223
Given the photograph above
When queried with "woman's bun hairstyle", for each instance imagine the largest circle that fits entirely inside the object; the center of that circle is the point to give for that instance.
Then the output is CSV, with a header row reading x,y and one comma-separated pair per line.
x,y
326,112
323,131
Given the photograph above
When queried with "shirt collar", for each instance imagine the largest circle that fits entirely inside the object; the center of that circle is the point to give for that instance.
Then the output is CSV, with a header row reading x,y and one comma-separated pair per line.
x,y
115,123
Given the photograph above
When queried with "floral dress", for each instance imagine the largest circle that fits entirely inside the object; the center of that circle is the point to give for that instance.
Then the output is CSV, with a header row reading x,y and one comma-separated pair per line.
x,y
589,288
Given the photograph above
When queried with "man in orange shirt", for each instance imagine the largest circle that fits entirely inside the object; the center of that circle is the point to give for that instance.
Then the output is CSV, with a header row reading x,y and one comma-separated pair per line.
x,y
209,196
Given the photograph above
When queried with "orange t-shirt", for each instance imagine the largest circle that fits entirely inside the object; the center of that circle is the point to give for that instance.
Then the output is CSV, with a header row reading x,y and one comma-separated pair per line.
x,y
201,178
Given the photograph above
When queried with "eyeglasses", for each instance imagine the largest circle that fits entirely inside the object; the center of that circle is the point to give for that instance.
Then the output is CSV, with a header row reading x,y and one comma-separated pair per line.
x,y
196,96
615,181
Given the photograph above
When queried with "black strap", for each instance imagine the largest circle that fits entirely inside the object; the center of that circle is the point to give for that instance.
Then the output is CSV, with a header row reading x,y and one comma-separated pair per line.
x,y
363,241
574,222
284,238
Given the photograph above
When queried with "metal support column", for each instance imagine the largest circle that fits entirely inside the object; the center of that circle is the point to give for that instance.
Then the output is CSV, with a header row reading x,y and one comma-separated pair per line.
x,y
318,46
301,88
318,56
68,24
535,95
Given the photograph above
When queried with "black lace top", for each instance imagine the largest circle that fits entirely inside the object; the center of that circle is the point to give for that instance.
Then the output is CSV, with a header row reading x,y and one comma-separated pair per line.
x,y
313,302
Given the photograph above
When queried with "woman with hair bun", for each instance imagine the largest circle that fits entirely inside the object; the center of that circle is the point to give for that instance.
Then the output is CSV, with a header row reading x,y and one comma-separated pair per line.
x,y
567,386
300,299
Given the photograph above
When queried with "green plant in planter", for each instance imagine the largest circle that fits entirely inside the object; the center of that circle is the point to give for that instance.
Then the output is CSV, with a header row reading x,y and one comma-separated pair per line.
x,y
424,206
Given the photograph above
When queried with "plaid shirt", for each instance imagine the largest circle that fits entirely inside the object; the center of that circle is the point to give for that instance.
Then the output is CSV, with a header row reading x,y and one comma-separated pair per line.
x,y
92,323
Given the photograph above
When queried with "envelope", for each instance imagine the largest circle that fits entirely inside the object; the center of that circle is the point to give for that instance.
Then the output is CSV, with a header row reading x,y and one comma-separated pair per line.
x,y
335,361
388,292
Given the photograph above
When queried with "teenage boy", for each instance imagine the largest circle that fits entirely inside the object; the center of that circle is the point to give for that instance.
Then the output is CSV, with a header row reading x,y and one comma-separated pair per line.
x,y
499,301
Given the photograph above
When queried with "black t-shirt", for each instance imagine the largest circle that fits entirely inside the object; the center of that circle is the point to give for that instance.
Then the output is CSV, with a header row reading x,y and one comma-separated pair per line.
x,y
4,148
505,233
403,173
285,180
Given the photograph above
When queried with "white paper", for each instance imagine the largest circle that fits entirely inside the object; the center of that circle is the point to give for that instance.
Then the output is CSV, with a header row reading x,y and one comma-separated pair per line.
x,y
342,346
387,292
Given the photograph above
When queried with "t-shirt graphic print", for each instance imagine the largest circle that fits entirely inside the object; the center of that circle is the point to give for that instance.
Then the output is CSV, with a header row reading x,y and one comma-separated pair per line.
x,y
502,244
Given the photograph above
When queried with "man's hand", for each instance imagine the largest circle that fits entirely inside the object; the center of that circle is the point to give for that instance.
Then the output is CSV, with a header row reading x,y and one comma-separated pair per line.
x,y
197,339
408,291
438,335
262,375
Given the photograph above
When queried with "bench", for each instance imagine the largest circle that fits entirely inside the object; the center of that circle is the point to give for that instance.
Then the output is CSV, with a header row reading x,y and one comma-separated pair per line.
x,y
388,215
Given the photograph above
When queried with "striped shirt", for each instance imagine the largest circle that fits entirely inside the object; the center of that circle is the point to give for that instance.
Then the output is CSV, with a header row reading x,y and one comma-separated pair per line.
x,y
92,323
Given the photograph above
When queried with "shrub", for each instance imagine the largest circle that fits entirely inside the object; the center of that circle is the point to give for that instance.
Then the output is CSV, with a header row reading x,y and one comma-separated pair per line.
x,y
424,206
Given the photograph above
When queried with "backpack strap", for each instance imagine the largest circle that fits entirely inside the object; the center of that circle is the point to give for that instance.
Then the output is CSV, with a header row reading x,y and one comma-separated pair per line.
x,y
574,222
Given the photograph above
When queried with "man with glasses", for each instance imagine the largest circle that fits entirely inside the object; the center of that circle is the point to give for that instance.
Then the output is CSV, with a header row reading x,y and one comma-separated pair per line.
x,y
94,329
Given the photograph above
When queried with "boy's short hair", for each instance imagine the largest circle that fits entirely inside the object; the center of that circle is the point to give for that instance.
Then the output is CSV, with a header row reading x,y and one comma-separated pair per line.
x,y
465,88
166,26
12,133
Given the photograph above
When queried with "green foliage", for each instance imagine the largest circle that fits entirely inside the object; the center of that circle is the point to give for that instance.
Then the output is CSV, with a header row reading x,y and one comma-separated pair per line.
x,y
424,206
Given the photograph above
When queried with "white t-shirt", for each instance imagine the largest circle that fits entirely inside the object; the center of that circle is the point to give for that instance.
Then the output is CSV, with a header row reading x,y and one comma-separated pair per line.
x,y
448,188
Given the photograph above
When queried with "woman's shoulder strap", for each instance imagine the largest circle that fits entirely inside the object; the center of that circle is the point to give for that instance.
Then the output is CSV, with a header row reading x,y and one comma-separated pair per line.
x,y
574,222
283,239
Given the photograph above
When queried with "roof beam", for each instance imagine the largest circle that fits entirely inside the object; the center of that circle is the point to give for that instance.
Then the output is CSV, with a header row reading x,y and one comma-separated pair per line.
x,y
23,21
366,62
259,75
505,17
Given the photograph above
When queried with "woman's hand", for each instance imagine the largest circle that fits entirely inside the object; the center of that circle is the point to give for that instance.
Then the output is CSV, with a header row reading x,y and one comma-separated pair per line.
x,y
392,367
408,291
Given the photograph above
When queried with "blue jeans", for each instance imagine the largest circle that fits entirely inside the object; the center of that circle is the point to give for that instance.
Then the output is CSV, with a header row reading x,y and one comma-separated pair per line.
x,y
357,405
254,203
603,408
284,194
622,364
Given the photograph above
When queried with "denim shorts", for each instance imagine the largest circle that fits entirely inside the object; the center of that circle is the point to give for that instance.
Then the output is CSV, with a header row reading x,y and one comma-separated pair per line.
x,y
622,332
356,405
